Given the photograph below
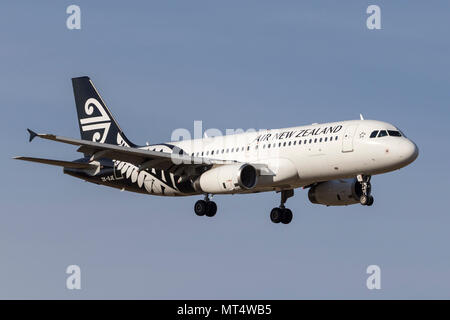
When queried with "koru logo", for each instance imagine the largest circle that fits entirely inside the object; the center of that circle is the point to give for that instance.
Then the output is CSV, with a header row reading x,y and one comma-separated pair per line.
x,y
96,123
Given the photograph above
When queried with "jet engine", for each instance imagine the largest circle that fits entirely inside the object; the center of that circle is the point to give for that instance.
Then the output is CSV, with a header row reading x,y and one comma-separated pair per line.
x,y
227,179
336,192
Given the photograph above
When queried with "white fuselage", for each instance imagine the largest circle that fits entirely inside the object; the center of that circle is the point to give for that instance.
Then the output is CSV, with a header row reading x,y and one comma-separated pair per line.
x,y
300,156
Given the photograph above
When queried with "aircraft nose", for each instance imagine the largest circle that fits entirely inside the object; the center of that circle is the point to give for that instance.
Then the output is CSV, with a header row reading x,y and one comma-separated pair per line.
x,y
409,152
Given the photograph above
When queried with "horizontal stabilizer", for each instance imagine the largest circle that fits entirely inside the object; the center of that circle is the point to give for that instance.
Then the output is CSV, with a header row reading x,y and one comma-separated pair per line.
x,y
66,164
32,134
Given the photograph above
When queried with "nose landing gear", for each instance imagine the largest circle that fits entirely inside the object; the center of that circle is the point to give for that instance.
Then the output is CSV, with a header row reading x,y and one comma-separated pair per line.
x,y
205,207
282,214
366,198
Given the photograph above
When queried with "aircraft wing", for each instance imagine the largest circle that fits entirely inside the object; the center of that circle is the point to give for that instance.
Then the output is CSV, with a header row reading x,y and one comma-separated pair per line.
x,y
60,163
140,157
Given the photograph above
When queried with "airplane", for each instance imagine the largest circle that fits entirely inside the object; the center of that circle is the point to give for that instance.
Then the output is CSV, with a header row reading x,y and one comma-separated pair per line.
x,y
334,161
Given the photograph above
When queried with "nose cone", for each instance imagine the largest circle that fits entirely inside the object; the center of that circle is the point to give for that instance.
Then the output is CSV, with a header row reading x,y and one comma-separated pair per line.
x,y
408,152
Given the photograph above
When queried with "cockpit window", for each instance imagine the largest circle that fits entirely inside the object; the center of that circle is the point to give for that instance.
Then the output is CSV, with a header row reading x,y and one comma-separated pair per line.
x,y
394,133
382,133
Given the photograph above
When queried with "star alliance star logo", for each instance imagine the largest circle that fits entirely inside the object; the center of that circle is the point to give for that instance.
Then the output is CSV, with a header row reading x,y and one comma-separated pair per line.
x,y
362,135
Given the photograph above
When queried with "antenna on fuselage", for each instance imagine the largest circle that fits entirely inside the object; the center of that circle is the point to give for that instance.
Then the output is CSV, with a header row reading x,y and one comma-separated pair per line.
x,y
361,116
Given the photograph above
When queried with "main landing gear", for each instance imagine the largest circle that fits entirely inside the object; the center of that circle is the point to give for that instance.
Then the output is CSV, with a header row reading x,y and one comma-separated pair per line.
x,y
205,207
282,214
366,198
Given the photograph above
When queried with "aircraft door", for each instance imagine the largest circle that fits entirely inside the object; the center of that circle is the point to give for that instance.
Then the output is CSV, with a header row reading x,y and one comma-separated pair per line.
x,y
347,140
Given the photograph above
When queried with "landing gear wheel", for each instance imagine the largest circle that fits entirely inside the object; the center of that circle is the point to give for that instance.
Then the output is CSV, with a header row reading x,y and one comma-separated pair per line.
x,y
200,207
282,214
364,200
211,209
286,216
275,215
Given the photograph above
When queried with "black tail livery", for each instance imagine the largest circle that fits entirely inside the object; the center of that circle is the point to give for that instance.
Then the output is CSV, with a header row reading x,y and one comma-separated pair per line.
x,y
95,120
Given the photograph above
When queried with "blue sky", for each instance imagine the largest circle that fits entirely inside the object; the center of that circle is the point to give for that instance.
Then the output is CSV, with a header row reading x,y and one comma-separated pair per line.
x,y
161,65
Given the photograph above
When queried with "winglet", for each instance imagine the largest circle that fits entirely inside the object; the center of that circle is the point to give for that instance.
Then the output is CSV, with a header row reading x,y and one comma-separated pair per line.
x,y
361,116
32,134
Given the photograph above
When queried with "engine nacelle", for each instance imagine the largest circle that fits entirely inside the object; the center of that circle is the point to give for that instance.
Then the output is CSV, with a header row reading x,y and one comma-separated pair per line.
x,y
227,178
336,192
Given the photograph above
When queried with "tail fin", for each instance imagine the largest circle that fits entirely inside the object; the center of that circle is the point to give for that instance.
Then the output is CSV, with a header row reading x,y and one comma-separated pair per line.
x,y
95,120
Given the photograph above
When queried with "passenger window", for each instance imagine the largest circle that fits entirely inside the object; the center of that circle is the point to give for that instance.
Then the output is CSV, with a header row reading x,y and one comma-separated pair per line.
x,y
394,133
315,140
289,143
284,144
310,140
374,134
212,152
382,133
279,144
335,138
268,146
326,139
295,142
320,140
